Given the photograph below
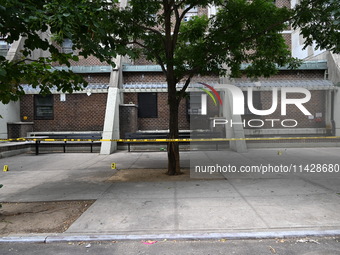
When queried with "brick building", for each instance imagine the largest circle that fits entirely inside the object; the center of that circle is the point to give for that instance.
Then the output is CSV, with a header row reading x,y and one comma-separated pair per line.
x,y
133,97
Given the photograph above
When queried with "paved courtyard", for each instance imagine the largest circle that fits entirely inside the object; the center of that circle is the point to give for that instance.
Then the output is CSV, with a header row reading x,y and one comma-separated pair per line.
x,y
230,203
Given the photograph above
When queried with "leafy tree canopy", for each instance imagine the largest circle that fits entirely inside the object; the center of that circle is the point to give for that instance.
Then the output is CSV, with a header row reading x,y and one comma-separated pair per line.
x,y
319,22
241,32
29,19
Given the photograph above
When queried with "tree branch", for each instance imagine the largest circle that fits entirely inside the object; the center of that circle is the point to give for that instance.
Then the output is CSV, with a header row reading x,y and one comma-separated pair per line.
x,y
179,19
167,25
190,73
186,85
156,55
151,30
31,60
180,3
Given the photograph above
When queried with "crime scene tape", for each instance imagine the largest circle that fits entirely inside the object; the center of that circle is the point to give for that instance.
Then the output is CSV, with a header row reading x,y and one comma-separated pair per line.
x,y
170,140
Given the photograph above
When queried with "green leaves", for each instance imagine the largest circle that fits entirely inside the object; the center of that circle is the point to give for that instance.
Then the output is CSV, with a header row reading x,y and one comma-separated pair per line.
x,y
90,25
319,22
31,19
249,32
37,73
242,31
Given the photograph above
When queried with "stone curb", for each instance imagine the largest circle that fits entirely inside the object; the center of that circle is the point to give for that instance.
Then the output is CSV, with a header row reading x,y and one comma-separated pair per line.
x,y
193,236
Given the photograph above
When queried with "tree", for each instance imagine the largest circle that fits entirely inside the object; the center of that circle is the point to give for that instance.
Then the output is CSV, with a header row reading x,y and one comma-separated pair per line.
x,y
242,31
29,20
319,22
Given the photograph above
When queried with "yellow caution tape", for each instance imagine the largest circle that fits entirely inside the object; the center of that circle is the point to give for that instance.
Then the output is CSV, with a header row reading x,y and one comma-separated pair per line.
x,y
171,140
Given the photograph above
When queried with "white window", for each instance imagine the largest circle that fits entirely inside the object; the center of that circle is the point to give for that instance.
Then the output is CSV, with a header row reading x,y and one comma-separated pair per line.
x,y
189,16
67,46
191,13
4,47
192,10
196,101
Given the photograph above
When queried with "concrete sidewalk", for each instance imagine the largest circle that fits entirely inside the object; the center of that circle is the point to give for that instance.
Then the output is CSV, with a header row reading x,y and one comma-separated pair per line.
x,y
236,203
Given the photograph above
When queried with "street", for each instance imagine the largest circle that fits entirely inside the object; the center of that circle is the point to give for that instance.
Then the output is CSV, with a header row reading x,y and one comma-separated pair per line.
x,y
298,246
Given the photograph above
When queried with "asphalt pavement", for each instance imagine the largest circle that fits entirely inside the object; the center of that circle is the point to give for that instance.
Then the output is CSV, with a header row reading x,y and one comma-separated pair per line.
x,y
298,246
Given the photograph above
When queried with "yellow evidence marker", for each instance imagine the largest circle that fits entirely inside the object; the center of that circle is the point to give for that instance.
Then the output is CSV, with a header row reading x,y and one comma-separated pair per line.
x,y
113,165
6,168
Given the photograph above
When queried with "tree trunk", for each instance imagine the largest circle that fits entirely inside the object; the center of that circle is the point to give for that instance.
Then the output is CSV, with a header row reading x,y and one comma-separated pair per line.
x,y
173,147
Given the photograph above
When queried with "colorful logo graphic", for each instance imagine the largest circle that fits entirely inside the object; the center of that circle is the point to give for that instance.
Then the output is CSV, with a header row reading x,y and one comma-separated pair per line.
x,y
210,94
